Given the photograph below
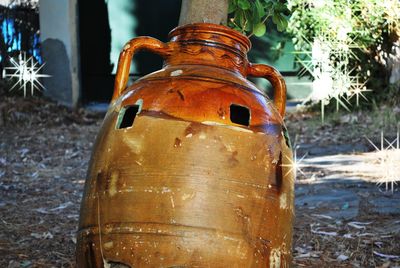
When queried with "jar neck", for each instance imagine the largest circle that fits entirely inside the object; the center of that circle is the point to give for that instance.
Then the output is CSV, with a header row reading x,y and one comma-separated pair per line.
x,y
209,44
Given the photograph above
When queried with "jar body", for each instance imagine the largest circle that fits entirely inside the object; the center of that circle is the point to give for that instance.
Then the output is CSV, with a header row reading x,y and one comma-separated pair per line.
x,y
190,168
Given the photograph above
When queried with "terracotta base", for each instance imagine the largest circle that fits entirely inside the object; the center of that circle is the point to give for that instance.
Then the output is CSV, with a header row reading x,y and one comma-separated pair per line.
x,y
186,194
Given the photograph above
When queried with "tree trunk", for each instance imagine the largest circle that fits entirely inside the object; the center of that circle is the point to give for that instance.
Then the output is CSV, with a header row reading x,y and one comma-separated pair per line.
x,y
209,11
394,63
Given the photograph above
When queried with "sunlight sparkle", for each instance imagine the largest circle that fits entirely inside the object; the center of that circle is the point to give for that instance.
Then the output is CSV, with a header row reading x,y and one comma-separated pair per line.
x,y
295,165
389,161
26,72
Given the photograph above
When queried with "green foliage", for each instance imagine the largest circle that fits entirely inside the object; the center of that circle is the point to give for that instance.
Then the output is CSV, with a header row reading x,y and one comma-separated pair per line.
x,y
368,29
251,16
366,22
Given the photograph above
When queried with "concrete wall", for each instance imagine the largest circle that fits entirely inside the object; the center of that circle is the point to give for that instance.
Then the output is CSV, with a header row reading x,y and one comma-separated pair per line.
x,y
59,37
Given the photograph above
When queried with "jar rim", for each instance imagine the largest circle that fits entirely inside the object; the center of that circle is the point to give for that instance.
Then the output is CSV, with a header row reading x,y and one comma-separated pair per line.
x,y
213,29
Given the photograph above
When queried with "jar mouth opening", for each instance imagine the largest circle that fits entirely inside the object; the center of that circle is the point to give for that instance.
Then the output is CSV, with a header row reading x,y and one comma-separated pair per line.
x,y
212,29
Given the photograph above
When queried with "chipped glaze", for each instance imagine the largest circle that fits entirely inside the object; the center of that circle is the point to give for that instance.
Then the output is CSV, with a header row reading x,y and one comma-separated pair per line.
x,y
184,185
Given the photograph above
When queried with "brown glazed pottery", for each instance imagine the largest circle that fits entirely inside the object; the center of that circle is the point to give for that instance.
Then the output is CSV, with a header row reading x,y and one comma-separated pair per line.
x,y
191,167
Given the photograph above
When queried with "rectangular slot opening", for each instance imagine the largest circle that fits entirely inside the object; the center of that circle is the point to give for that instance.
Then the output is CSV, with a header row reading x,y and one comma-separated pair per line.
x,y
127,116
240,115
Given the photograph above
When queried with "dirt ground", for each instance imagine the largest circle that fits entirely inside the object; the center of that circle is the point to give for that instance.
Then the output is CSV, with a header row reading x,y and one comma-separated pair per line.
x,y
44,154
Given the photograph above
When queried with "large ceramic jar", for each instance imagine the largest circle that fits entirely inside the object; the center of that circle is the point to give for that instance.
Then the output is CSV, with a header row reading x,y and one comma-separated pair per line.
x,y
191,167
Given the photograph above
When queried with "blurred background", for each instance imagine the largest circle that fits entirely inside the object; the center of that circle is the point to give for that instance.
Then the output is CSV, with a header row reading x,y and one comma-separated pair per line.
x,y
80,42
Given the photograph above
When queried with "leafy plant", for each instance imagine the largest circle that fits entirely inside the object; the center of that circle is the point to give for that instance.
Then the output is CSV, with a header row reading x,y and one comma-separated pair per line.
x,y
251,16
348,44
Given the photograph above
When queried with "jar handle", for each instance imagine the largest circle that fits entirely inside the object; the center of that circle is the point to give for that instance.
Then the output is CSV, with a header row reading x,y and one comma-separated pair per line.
x,y
276,80
125,58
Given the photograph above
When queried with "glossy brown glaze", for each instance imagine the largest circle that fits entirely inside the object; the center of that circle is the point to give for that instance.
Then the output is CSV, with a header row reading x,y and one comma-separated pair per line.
x,y
186,185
